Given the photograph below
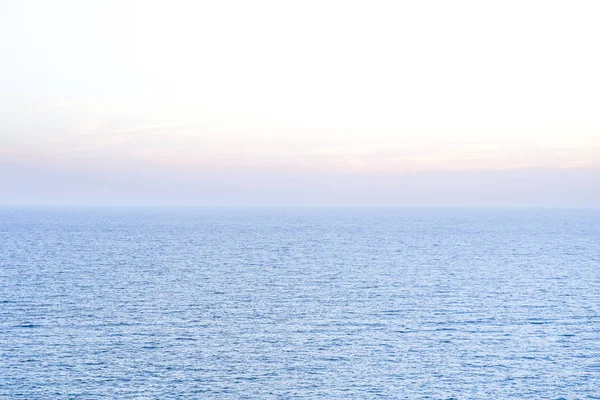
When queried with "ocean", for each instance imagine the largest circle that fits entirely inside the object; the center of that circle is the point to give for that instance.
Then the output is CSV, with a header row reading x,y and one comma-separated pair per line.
x,y
278,303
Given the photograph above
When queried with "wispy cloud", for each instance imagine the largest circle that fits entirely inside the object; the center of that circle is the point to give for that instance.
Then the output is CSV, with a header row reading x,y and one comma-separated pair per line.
x,y
157,128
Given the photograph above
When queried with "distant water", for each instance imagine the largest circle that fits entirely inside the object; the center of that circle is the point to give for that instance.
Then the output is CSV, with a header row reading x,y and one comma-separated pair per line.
x,y
283,303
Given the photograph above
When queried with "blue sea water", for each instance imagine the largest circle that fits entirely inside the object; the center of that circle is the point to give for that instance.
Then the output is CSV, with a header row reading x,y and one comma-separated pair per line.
x,y
299,303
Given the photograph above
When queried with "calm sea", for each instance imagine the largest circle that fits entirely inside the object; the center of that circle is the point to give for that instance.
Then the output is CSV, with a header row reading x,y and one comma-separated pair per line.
x,y
299,303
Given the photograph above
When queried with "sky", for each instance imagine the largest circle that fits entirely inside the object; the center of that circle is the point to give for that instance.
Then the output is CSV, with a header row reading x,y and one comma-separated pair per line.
x,y
315,103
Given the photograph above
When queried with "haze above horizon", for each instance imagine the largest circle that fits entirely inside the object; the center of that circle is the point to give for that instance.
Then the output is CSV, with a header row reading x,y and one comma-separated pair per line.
x,y
315,103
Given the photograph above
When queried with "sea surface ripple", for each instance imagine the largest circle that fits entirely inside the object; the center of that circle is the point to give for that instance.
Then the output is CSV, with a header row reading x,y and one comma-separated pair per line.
x,y
299,303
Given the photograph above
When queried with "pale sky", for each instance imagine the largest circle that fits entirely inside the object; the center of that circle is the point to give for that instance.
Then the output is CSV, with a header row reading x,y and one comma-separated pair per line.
x,y
414,103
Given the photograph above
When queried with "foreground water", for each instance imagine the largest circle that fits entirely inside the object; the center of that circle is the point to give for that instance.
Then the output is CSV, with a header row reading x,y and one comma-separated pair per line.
x,y
283,303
